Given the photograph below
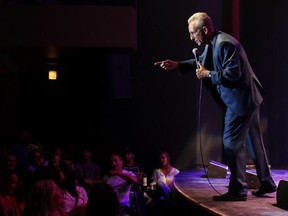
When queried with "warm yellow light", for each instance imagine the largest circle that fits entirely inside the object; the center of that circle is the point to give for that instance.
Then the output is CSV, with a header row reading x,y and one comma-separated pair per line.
x,y
52,75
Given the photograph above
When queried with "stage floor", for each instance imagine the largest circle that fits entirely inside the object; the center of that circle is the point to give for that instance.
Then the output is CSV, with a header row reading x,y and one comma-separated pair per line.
x,y
199,190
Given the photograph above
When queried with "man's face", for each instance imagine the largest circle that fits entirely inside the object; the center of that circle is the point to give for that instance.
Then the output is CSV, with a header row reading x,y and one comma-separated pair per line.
x,y
11,161
116,162
129,156
196,34
38,158
87,154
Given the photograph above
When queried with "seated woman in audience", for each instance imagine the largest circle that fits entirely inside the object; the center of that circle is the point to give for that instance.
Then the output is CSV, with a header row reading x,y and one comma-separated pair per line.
x,y
75,196
45,199
164,175
11,163
55,159
9,204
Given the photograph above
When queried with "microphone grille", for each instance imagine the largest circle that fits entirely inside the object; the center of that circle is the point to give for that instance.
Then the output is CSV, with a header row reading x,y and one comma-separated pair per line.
x,y
195,50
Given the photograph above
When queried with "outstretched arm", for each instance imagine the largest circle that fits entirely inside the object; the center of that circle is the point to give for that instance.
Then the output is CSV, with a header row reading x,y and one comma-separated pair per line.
x,y
167,64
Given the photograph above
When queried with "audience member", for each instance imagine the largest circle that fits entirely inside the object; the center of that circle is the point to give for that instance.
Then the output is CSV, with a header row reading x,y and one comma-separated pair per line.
x,y
69,163
45,199
55,159
9,204
130,164
36,160
88,170
103,198
121,181
75,196
11,163
23,146
164,175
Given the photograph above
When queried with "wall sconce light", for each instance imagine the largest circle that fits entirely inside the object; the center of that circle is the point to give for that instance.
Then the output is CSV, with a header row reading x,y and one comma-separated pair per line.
x,y
52,75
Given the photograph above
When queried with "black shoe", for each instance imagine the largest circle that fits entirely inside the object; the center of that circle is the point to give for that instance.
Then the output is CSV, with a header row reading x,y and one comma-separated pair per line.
x,y
262,191
231,197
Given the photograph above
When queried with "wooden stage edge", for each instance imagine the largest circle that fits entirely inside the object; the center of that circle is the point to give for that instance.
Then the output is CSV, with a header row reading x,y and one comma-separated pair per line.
x,y
197,189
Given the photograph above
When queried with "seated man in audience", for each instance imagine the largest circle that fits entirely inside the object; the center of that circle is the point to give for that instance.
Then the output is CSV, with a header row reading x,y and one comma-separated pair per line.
x,y
36,160
87,169
130,163
121,180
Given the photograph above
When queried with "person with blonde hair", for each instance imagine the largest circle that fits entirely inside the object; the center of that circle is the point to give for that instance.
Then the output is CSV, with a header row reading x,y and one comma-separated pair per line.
x,y
45,199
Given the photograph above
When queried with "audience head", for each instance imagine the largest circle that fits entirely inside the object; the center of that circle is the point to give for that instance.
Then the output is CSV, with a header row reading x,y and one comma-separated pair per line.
x,y
68,162
129,154
164,158
55,160
103,198
45,199
116,161
11,161
65,178
57,151
8,182
87,153
36,157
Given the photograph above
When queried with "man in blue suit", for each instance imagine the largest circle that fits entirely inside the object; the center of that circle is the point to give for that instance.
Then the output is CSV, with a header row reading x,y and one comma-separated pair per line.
x,y
226,73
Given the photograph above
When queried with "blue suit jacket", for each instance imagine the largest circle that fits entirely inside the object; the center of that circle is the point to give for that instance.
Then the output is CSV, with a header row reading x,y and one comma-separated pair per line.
x,y
233,84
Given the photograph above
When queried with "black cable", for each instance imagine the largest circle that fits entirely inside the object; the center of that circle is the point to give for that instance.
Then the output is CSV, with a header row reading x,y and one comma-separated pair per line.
x,y
200,141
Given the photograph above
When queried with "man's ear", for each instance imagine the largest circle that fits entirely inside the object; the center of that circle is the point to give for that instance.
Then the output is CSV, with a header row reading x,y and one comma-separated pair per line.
x,y
205,29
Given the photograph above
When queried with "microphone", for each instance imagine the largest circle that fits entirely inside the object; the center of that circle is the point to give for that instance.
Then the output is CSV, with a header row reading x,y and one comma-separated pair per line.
x,y
195,50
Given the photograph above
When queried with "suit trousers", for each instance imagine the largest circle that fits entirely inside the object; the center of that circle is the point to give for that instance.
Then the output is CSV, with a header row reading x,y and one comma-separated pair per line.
x,y
241,132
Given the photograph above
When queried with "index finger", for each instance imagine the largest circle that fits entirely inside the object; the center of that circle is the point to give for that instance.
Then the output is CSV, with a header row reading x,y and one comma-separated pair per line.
x,y
158,63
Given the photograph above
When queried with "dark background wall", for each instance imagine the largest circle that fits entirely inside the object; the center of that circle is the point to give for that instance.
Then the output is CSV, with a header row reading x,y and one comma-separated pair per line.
x,y
264,36
114,97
